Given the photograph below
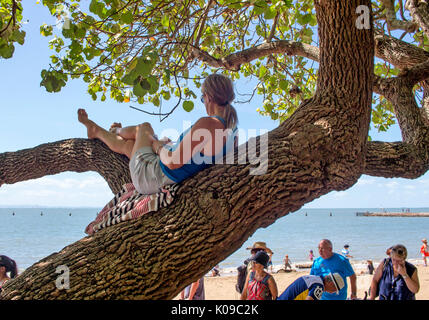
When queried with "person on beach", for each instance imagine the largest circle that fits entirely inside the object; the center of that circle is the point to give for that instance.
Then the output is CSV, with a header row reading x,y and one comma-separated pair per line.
x,y
270,262
245,268
260,285
346,252
424,251
287,262
311,255
254,249
370,267
395,278
330,262
7,265
312,287
194,291
155,163
215,271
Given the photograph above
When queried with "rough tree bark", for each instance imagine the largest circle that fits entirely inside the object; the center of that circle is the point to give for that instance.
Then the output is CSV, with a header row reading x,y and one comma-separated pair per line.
x,y
322,147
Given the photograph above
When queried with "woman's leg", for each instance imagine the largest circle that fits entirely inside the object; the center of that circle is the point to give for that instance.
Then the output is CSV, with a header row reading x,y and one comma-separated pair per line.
x,y
144,137
114,142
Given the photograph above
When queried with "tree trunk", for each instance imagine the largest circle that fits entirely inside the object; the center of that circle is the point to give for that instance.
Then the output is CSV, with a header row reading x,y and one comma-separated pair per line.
x,y
321,148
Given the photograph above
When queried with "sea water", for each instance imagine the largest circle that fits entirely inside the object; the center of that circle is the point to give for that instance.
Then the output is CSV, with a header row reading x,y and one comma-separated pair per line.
x,y
30,234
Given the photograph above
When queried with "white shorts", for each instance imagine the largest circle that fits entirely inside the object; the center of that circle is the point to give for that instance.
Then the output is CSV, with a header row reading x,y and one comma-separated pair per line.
x,y
146,173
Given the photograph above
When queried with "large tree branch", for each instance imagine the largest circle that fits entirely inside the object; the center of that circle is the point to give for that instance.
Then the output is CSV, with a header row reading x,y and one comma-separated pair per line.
x,y
419,10
395,160
234,61
76,155
400,54
392,22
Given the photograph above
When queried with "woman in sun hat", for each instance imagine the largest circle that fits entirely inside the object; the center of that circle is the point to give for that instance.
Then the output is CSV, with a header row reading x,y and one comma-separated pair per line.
x,y
395,278
259,245
259,285
424,251
255,248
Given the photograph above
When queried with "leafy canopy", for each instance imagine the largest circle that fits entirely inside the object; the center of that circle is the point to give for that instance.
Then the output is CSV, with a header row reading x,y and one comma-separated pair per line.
x,y
10,25
143,51
153,50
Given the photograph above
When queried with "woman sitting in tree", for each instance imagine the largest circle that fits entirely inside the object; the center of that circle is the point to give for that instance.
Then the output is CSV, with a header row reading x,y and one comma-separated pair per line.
x,y
155,163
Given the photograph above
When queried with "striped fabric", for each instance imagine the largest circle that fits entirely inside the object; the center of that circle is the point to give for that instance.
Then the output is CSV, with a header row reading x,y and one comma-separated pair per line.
x,y
128,204
258,290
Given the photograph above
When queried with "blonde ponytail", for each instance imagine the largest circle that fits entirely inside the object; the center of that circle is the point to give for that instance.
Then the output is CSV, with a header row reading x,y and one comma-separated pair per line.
x,y
231,117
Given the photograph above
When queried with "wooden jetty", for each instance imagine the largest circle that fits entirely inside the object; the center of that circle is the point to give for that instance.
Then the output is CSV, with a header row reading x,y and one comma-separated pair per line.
x,y
392,214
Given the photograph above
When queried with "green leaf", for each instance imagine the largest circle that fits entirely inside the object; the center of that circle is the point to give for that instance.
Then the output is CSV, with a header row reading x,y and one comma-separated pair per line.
x,y
145,84
284,85
127,17
260,7
154,84
305,19
188,105
130,78
138,90
145,65
270,13
165,21
6,51
262,71
18,36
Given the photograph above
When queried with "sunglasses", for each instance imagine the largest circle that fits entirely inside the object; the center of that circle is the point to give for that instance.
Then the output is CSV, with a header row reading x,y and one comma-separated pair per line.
x,y
398,251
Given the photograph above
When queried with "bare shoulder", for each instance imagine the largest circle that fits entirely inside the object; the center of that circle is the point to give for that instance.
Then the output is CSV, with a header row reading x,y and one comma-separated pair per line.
x,y
209,123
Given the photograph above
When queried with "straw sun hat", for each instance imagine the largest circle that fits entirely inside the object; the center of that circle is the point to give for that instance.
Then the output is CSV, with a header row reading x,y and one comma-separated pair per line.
x,y
260,245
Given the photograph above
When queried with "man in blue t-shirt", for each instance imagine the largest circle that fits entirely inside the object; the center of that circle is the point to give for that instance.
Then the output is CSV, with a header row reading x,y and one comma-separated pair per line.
x,y
330,262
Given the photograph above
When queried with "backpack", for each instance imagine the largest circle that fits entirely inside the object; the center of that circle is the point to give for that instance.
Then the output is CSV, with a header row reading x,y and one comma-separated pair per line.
x,y
241,278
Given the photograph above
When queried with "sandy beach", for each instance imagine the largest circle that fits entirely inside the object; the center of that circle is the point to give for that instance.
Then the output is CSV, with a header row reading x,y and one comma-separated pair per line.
x,y
223,288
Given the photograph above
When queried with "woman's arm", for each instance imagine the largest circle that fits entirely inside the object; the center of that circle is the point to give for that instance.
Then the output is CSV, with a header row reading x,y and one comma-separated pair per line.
x,y
375,280
412,282
193,289
273,287
244,292
199,138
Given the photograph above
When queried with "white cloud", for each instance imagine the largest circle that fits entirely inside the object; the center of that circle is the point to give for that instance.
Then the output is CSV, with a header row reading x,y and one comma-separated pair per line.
x,y
340,194
85,189
410,187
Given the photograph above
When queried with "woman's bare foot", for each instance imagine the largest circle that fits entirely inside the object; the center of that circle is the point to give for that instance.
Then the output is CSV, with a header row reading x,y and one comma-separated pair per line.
x,y
90,125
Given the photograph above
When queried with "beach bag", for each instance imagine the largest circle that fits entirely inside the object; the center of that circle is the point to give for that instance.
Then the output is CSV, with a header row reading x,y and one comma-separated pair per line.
x,y
241,278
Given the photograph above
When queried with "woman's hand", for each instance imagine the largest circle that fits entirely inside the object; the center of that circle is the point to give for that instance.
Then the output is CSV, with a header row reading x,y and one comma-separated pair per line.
x,y
157,145
399,267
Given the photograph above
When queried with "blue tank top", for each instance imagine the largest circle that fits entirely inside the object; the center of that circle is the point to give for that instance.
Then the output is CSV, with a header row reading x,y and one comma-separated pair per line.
x,y
392,288
192,167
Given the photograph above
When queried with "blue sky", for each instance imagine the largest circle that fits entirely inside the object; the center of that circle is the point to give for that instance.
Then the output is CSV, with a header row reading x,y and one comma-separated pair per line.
x,y
31,116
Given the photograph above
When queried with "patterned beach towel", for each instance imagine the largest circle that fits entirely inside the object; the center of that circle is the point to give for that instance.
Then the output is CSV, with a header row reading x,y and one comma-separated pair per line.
x,y
128,204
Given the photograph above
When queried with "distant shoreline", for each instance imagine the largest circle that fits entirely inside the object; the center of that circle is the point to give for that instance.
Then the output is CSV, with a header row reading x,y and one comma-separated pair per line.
x,y
392,214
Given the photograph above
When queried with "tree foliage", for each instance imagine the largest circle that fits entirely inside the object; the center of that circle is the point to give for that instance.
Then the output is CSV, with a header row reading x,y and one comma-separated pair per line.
x,y
10,27
157,50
